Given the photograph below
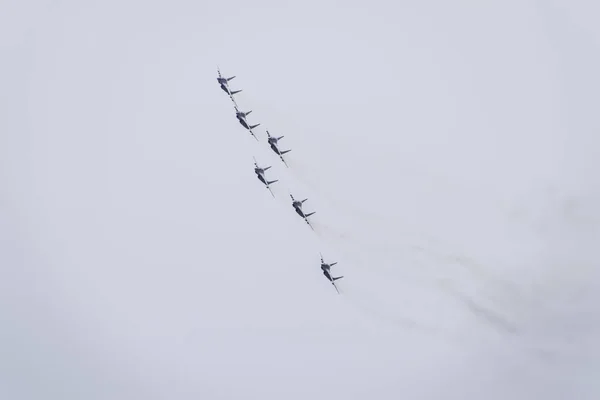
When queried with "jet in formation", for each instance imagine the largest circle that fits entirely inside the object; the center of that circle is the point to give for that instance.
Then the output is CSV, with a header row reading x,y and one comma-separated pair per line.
x,y
274,146
326,268
260,171
260,174
224,82
297,204
241,116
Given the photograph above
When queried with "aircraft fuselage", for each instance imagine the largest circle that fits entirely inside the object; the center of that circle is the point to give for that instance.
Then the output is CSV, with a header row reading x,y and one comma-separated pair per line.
x,y
275,149
261,178
243,122
299,212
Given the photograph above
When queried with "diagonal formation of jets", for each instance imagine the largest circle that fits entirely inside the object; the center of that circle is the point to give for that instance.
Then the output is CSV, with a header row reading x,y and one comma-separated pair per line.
x,y
260,171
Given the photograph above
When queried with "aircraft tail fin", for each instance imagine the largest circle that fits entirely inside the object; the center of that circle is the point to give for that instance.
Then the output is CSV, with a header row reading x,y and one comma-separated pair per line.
x,y
302,201
279,137
309,214
254,126
236,91
332,264
276,180
286,151
228,79
337,277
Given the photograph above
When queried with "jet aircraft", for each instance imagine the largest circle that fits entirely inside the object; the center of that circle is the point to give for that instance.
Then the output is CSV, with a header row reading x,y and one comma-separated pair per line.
x,y
297,204
260,174
326,268
224,82
241,116
273,143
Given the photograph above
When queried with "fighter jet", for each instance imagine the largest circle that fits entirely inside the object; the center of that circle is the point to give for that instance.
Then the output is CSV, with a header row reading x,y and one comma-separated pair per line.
x,y
326,267
241,116
260,174
224,82
298,207
273,143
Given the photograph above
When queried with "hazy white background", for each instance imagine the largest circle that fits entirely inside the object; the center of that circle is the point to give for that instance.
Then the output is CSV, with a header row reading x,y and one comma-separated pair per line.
x,y
449,148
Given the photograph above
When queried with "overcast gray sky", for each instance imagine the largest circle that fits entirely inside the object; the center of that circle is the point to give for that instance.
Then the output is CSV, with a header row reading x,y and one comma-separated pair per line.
x,y
450,150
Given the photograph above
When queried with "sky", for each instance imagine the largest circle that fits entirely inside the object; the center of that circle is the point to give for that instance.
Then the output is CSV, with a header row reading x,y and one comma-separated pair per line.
x,y
449,149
